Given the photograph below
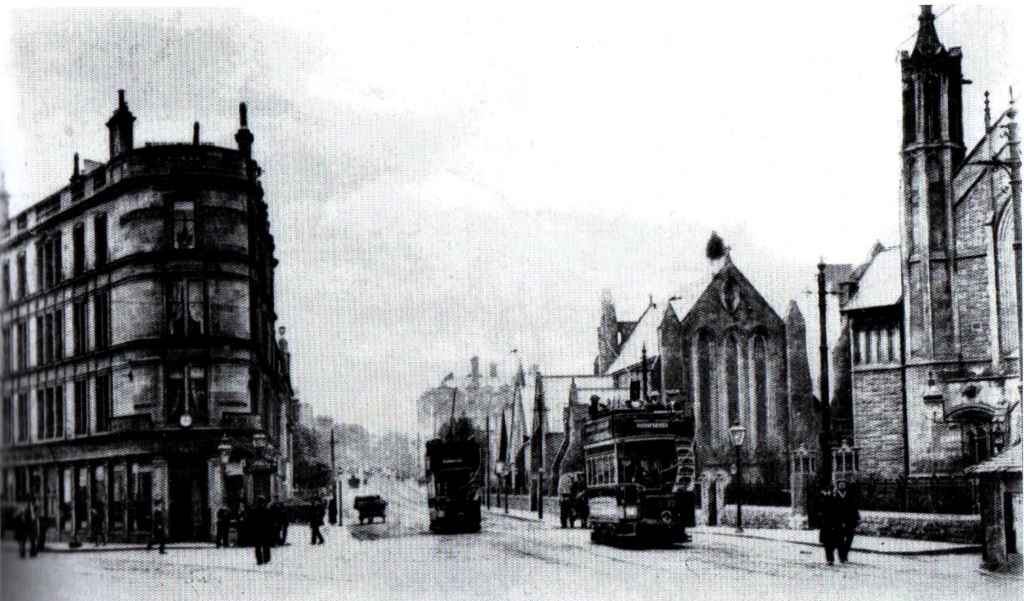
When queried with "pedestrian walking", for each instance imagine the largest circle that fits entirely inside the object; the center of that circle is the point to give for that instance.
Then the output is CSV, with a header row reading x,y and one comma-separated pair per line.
x,y
278,522
825,509
32,523
847,518
44,525
316,519
157,536
260,527
24,530
223,525
98,532
282,525
332,511
582,509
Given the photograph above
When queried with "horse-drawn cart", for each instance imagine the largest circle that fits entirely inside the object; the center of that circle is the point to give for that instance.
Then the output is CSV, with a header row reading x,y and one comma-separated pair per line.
x,y
369,507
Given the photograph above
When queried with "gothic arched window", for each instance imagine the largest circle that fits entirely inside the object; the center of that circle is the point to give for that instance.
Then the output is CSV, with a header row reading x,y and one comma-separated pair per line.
x,y
732,379
936,204
1007,283
760,356
705,379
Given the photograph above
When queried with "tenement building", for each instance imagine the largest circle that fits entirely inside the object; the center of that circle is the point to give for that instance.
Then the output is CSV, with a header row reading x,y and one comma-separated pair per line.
x,y
716,353
139,358
935,322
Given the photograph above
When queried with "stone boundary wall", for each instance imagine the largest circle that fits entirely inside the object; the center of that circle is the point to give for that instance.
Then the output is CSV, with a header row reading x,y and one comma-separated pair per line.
x,y
964,529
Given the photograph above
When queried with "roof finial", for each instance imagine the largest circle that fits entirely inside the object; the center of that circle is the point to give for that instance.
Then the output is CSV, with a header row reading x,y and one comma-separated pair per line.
x,y
715,248
927,39
988,113
1012,111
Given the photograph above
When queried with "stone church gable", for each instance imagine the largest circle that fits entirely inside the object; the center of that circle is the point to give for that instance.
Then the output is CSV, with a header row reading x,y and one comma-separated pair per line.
x,y
731,301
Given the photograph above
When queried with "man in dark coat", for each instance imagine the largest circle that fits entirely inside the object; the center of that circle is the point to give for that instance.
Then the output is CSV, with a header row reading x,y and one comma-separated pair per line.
x,y
847,518
260,526
316,519
99,533
829,535
158,535
279,523
223,524
282,533
581,509
25,530
332,511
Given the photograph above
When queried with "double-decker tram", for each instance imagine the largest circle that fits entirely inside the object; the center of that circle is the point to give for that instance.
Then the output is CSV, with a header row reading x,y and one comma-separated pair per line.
x,y
453,485
639,470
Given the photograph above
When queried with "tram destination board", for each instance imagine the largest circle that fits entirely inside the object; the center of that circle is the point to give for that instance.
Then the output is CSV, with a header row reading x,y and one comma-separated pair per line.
x,y
636,424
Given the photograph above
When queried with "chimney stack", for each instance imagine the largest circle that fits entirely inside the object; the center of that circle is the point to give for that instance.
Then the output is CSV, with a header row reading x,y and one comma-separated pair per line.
x,y
121,126
195,134
5,200
75,173
244,137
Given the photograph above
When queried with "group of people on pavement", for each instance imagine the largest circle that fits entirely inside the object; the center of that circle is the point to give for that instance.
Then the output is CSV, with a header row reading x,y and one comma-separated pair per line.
x,y
263,525
267,526
29,529
572,491
837,518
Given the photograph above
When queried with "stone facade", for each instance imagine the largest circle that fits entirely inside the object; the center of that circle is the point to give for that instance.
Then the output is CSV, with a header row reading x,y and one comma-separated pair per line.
x,y
139,354
877,421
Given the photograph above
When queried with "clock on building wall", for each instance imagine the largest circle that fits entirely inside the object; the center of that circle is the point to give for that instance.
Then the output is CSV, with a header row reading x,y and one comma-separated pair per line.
x,y
185,420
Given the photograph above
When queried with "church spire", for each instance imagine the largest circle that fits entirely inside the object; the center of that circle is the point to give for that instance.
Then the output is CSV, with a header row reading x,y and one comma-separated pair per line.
x,y
927,38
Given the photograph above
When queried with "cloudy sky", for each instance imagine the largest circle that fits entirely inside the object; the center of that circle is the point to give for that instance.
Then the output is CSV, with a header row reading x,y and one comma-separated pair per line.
x,y
451,180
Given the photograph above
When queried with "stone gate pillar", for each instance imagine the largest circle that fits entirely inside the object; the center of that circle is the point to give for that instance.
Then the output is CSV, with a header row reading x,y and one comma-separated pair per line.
x,y
802,469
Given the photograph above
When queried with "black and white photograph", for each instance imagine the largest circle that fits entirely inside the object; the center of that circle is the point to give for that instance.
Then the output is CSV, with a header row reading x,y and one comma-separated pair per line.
x,y
467,301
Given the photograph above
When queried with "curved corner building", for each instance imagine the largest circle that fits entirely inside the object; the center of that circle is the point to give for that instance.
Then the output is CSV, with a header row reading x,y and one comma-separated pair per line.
x,y
139,360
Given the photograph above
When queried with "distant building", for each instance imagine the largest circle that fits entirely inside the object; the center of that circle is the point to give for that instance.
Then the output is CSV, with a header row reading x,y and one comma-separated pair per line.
x,y
139,357
477,396
935,323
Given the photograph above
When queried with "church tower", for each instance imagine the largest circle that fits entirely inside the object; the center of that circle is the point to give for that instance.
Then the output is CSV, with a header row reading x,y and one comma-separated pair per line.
x,y
933,150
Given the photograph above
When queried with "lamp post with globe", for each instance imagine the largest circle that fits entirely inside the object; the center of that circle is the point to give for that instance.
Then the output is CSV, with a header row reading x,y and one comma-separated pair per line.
x,y
738,434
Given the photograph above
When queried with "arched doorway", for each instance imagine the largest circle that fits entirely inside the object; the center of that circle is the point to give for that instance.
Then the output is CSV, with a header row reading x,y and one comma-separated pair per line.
x,y
977,442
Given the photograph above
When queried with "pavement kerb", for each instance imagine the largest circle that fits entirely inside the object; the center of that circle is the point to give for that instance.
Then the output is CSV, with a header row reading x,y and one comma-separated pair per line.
x,y
112,547
956,550
521,518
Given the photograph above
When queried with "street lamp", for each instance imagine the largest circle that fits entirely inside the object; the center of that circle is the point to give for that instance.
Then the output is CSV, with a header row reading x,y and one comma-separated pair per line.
x,y
225,456
260,442
738,433
499,468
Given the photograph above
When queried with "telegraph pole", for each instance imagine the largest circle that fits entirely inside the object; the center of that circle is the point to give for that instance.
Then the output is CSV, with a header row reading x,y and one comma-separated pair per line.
x,y
825,438
334,472
487,461
540,479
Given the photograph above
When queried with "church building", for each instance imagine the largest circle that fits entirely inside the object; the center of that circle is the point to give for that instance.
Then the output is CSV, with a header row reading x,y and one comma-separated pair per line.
x,y
718,354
